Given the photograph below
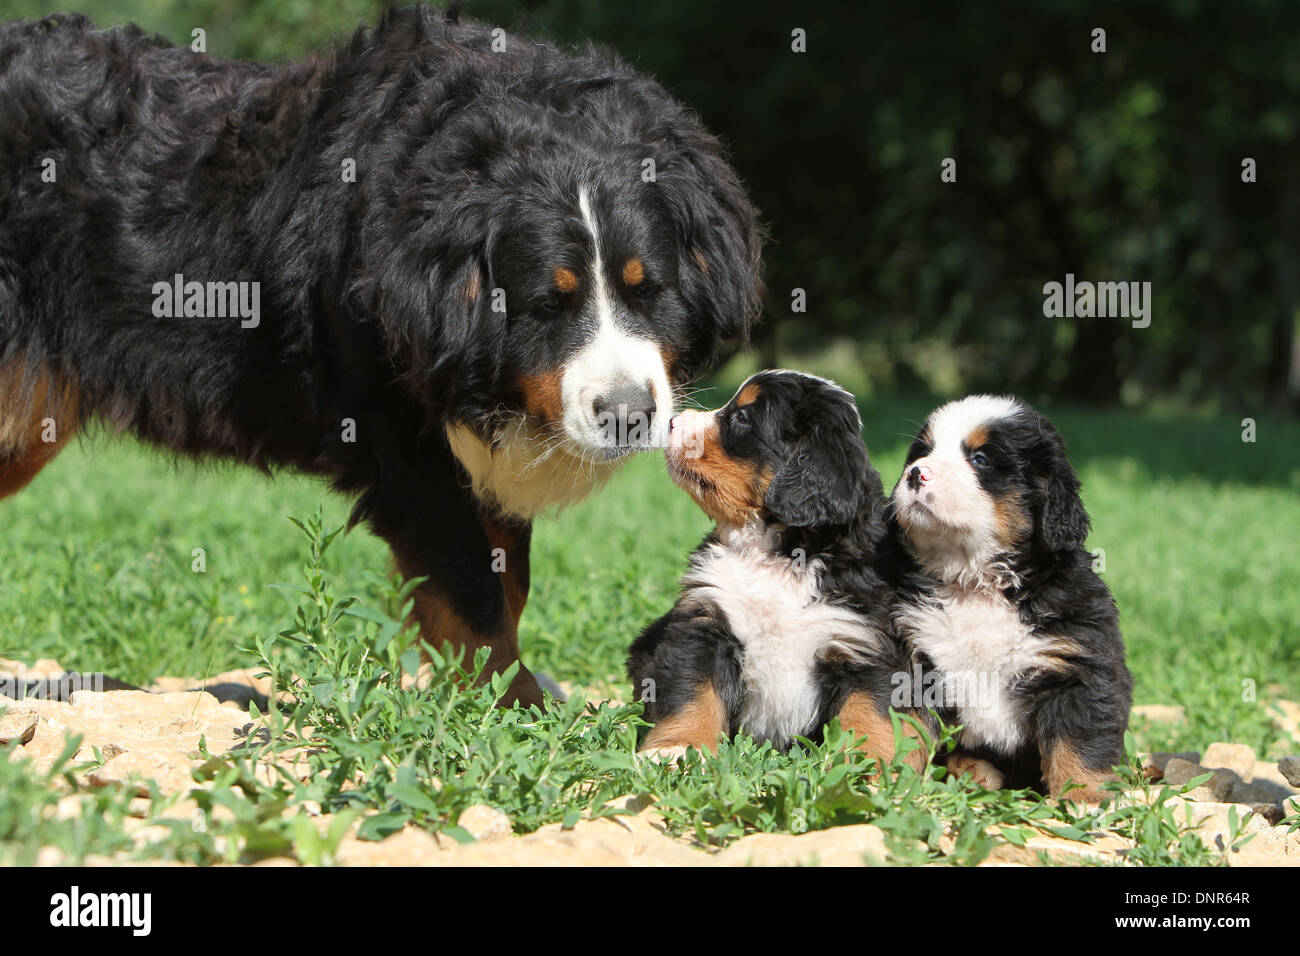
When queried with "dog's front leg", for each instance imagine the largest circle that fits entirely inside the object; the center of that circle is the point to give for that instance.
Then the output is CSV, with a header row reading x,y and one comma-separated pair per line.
x,y
476,578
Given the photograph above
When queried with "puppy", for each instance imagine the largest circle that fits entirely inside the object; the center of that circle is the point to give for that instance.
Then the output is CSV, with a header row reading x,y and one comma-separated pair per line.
x,y
784,616
1009,623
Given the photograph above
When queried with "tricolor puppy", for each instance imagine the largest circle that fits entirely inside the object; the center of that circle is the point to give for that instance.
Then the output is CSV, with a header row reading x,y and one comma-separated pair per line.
x,y
784,616
1015,628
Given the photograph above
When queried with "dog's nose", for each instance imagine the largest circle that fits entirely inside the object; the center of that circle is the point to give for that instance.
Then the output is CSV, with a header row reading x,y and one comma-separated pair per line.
x,y
917,475
625,416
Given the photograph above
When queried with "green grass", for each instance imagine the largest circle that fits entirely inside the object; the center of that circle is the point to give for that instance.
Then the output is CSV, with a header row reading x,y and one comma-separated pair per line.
x,y
1199,537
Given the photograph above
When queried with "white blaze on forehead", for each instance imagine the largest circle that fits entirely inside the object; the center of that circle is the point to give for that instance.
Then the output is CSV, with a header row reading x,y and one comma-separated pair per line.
x,y
612,360
604,305
952,424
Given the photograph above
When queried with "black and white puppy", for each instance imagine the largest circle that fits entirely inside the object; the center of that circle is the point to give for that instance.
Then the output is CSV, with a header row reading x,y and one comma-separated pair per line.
x,y
784,617
1011,624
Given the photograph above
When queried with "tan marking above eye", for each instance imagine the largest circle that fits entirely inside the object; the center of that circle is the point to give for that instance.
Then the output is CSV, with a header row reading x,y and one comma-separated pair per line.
x,y
566,280
977,437
748,395
633,272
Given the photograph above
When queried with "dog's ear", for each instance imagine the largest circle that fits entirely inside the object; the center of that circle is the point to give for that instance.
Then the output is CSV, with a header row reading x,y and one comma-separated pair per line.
x,y
426,283
826,478
1063,523
719,241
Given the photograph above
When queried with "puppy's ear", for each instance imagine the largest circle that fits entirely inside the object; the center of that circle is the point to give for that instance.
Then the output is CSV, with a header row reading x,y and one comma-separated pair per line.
x,y
824,481
719,241
1063,523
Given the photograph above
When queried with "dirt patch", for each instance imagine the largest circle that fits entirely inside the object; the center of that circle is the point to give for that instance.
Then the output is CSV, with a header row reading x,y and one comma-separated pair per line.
x,y
132,737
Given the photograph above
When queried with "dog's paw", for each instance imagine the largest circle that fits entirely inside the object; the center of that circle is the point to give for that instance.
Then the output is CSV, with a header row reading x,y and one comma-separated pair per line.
x,y
548,684
669,755
981,772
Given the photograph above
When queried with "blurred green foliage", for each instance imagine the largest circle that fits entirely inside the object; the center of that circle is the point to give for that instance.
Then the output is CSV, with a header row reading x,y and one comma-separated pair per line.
x,y
1115,166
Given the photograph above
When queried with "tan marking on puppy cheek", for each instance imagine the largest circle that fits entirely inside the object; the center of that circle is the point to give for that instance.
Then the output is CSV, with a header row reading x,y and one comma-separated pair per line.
x,y
1011,522
1062,765
566,280
543,397
633,272
699,724
735,492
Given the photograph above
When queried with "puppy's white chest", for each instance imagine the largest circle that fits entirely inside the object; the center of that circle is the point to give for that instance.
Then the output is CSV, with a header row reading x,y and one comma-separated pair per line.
x,y
981,649
775,611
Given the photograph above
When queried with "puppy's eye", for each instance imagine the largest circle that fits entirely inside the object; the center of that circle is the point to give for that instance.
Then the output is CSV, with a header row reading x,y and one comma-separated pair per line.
x,y
646,290
551,305
740,418
980,460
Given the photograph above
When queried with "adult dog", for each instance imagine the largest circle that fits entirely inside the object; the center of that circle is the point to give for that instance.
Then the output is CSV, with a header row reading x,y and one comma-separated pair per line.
x,y
459,273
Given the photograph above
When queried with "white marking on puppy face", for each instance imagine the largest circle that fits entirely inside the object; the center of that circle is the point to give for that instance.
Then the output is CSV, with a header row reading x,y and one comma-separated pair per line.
x,y
613,382
952,522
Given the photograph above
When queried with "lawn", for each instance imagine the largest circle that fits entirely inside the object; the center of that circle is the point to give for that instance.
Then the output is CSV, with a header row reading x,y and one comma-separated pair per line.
x,y
1198,530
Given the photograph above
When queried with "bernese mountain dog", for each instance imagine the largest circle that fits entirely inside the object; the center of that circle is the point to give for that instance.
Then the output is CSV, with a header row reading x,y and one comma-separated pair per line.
x,y
784,618
459,273
1016,635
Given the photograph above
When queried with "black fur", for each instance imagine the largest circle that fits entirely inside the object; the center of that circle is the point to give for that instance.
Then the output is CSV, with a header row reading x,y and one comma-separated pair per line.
x,y
171,162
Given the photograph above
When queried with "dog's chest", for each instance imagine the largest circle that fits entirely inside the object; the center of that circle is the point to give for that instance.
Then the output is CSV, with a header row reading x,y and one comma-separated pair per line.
x,y
784,626
982,650
524,473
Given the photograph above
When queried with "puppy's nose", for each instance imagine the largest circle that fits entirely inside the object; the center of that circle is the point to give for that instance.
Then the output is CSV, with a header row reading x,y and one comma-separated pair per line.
x,y
626,416
684,432
917,475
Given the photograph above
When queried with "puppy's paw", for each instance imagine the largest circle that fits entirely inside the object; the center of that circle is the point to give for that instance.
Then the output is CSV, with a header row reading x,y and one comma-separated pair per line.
x,y
668,755
981,772
1090,795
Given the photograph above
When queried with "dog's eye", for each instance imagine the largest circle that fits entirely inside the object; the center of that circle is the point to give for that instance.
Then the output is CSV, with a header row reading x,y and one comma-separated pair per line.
x,y
551,305
980,460
740,418
646,290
